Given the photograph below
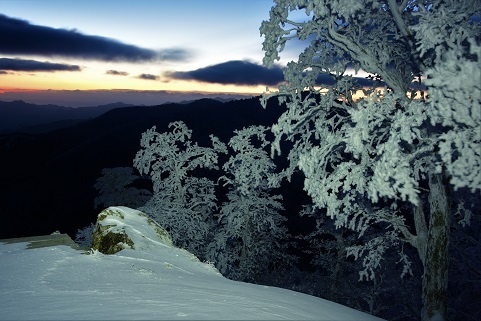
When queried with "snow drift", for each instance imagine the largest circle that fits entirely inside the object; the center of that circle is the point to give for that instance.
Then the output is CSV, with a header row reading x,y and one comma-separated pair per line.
x,y
156,282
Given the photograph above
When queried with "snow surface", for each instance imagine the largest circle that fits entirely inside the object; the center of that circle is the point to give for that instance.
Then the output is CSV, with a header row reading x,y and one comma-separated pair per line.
x,y
161,282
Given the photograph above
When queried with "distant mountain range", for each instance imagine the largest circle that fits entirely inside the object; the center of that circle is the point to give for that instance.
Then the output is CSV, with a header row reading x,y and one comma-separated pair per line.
x,y
47,177
82,98
18,115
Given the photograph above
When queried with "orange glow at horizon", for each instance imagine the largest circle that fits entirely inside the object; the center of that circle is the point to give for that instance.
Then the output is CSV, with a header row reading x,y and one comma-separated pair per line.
x,y
83,81
93,76
4,90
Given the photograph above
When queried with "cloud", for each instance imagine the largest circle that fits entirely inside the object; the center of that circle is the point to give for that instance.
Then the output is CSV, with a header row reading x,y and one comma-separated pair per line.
x,y
238,72
117,73
2,72
19,37
328,80
34,65
174,54
234,72
148,77
325,79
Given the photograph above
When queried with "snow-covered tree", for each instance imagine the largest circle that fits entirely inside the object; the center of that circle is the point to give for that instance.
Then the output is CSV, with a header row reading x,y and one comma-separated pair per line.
x,y
182,203
328,246
115,188
328,249
367,160
252,230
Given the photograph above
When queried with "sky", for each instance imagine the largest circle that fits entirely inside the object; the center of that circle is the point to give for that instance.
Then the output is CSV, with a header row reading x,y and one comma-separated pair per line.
x,y
156,281
54,47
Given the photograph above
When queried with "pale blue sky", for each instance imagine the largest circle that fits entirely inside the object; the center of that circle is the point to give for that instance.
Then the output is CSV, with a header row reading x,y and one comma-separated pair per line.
x,y
212,42
215,30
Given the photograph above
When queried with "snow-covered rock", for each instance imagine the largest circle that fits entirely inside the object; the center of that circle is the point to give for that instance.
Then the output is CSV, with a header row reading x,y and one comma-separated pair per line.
x,y
148,278
118,228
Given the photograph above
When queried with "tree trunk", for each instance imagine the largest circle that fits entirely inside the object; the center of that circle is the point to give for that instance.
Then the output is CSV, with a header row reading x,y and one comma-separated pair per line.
x,y
435,278
244,237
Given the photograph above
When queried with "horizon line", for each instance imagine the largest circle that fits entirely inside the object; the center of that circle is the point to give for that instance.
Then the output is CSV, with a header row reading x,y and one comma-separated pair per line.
x,y
96,97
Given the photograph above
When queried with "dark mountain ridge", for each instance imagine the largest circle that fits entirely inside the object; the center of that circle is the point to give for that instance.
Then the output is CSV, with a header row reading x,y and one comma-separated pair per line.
x,y
46,180
18,115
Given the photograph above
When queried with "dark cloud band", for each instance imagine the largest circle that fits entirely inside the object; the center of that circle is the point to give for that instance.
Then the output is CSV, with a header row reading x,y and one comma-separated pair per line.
x,y
34,65
148,77
246,73
234,72
328,80
117,73
19,37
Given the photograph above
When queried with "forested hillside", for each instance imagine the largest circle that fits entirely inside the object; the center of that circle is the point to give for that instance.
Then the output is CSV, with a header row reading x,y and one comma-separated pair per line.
x,y
43,174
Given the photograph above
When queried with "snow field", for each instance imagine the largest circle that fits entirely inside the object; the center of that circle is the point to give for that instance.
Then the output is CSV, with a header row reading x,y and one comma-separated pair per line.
x,y
160,283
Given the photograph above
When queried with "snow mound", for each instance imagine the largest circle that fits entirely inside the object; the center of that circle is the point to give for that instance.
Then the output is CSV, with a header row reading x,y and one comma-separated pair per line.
x,y
166,283
148,280
118,228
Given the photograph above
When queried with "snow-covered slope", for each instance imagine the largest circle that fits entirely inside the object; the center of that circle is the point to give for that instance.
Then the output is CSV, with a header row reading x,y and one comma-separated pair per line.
x,y
60,282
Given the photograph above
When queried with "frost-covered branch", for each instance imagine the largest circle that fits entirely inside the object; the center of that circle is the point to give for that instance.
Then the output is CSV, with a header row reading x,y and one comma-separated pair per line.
x,y
368,161
251,225
182,203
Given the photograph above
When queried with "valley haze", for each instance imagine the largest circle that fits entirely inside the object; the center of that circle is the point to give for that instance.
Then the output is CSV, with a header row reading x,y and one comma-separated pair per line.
x,y
83,98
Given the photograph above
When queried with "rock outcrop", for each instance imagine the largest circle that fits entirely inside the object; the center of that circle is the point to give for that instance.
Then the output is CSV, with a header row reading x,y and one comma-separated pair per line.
x,y
119,228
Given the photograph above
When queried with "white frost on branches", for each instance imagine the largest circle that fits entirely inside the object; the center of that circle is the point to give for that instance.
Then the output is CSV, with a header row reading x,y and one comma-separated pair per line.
x,y
365,159
455,103
251,229
382,146
453,78
182,203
